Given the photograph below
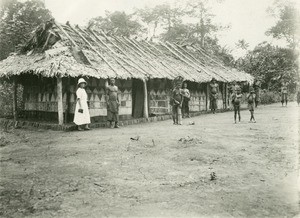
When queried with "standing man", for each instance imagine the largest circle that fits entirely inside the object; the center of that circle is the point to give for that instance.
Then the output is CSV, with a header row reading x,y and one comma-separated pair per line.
x,y
112,102
251,101
186,98
257,86
214,90
176,101
284,92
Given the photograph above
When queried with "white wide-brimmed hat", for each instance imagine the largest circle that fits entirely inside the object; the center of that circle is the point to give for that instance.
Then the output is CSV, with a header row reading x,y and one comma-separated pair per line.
x,y
81,80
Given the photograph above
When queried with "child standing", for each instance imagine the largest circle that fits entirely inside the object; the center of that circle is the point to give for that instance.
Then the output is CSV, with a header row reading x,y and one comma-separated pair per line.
x,y
236,101
251,101
176,101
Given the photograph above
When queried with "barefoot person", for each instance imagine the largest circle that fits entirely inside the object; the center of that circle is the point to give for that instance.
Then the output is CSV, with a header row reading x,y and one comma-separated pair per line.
x,y
284,93
257,87
112,102
236,101
82,114
214,89
251,101
186,98
176,101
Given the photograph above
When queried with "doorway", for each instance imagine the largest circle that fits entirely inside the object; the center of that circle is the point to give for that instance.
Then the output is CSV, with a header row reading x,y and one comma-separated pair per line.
x,y
137,98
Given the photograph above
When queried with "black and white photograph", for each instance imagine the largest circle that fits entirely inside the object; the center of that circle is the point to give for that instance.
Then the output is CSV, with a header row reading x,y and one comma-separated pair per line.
x,y
150,108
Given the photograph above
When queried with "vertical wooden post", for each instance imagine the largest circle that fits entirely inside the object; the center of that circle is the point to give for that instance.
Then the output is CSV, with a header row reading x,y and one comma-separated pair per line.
x,y
60,109
145,111
207,96
15,102
68,93
223,95
226,95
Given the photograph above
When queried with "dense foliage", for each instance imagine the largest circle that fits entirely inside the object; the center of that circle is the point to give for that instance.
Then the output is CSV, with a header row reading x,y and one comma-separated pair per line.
x,y
169,23
17,21
288,25
271,64
117,23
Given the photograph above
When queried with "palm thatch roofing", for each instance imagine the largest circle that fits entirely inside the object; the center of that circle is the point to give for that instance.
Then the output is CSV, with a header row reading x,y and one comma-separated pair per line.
x,y
67,50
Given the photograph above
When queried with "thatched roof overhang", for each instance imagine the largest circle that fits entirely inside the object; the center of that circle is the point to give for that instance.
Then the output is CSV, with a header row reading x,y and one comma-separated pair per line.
x,y
73,51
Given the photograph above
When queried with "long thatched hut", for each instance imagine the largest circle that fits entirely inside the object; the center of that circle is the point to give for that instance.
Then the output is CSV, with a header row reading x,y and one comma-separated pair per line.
x,y
50,63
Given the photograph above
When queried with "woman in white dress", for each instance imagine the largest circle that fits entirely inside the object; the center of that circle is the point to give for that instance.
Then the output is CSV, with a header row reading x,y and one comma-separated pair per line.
x,y
82,114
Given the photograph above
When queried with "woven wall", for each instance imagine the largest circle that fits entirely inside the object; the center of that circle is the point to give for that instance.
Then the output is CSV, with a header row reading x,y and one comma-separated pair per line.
x,y
40,96
96,97
159,91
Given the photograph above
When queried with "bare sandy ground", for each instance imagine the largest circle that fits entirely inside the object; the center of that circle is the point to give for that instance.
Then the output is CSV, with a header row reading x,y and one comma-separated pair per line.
x,y
211,169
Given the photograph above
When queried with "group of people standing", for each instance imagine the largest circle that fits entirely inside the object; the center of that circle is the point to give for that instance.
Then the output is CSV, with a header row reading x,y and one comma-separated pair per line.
x,y
82,116
180,103
179,100
181,96
236,99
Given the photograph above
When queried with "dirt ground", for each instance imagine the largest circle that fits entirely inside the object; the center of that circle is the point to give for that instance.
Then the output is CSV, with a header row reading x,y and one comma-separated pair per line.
x,y
211,169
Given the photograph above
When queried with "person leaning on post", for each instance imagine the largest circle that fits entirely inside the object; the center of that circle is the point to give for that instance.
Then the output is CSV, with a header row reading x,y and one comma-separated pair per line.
x,y
82,114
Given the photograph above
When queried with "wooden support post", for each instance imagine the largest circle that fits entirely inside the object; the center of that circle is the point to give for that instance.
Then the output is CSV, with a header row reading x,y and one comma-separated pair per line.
x,y
145,111
60,108
207,96
15,102
68,105
224,96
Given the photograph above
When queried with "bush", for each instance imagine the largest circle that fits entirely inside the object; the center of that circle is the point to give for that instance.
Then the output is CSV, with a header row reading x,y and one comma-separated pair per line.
x,y
6,90
269,97
6,99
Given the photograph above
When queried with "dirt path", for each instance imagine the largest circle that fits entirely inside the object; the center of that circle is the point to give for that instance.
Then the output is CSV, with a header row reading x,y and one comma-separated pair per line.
x,y
217,169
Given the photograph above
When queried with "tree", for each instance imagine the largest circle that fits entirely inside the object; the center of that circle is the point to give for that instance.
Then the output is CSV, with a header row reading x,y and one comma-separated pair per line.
x,y
242,44
164,17
117,23
205,26
271,64
288,24
150,18
17,21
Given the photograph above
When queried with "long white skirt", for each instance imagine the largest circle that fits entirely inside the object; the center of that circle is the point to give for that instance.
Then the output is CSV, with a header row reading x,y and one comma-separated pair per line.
x,y
82,118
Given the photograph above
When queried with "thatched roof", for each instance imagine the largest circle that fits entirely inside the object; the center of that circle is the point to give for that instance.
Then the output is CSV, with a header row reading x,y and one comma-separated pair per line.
x,y
72,51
